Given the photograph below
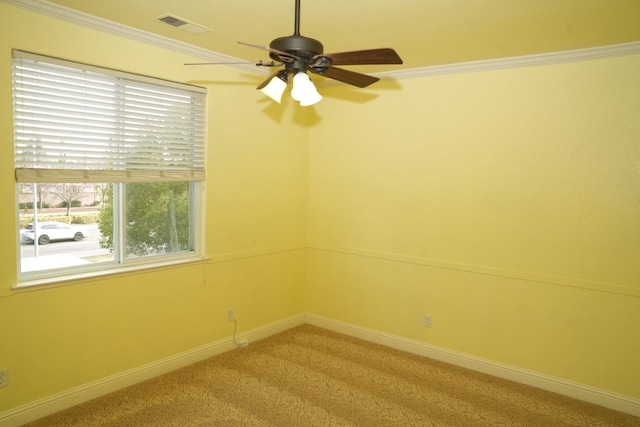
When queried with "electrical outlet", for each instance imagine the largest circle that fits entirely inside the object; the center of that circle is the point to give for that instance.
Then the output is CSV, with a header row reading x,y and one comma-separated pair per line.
x,y
4,377
426,322
230,316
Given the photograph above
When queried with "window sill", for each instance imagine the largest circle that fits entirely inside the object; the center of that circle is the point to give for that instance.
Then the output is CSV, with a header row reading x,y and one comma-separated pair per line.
x,y
72,279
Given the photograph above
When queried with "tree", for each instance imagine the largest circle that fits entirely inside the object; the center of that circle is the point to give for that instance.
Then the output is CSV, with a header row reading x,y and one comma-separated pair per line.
x,y
100,191
106,218
172,229
67,193
41,191
157,218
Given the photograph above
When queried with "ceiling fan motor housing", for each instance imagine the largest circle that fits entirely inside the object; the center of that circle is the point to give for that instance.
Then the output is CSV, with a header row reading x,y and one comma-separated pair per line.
x,y
299,46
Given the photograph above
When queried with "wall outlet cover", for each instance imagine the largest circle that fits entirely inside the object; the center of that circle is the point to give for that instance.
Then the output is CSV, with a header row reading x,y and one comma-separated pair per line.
x,y
4,377
427,321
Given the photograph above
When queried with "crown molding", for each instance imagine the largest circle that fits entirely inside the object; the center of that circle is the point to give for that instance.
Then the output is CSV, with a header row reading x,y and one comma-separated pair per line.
x,y
551,58
80,18
70,15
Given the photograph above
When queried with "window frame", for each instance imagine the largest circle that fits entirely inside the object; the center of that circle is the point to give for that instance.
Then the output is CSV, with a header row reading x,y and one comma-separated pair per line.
x,y
121,263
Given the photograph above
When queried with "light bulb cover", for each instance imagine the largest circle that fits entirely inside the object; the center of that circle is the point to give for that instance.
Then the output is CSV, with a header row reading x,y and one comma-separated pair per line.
x,y
276,87
310,99
304,90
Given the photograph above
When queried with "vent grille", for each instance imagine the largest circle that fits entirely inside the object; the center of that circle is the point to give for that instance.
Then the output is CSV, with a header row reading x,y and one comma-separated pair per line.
x,y
182,24
172,20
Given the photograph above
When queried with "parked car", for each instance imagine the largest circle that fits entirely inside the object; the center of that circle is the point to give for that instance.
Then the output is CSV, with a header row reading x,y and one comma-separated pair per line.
x,y
51,231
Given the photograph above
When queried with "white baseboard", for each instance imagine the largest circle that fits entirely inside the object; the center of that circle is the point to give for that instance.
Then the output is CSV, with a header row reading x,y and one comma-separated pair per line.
x,y
66,399
575,390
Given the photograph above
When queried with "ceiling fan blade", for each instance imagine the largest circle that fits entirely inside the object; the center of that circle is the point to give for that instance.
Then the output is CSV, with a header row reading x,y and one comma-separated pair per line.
x,y
257,64
345,76
361,57
270,49
218,63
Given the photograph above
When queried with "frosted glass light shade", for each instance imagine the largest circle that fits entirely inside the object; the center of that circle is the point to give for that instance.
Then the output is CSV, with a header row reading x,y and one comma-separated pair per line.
x,y
304,91
275,89
311,98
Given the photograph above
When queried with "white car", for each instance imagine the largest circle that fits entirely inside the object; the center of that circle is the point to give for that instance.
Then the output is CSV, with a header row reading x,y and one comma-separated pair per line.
x,y
51,231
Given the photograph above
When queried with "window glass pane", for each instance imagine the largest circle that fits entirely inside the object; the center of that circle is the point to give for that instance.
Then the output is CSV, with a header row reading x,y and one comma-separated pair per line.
x,y
78,127
157,218
62,231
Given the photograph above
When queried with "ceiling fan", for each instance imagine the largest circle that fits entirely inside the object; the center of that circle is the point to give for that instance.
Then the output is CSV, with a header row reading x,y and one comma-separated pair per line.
x,y
300,54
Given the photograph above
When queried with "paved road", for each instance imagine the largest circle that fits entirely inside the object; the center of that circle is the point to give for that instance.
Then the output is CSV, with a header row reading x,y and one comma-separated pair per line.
x,y
88,246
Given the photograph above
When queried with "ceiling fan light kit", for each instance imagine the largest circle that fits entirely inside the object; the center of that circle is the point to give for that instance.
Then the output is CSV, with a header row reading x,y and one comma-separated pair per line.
x,y
300,54
303,89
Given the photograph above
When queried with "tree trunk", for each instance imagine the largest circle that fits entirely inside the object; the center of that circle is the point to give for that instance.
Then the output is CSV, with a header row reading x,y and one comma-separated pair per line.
x,y
172,230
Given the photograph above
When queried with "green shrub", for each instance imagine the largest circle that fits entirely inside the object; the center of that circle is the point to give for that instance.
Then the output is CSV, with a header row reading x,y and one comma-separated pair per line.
x,y
24,219
84,219
74,219
74,204
29,205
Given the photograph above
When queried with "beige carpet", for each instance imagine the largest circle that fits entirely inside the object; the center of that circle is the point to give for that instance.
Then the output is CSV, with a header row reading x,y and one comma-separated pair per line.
x,y
309,376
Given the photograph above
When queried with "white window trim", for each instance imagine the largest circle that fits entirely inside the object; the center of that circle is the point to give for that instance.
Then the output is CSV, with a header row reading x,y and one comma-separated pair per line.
x,y
71,275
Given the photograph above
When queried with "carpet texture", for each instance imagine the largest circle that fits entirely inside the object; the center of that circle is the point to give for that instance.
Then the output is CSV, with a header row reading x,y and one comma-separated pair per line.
x,y
308,376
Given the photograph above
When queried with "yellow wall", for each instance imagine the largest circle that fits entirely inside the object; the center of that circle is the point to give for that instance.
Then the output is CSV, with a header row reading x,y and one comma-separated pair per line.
x,y
506,204
58,338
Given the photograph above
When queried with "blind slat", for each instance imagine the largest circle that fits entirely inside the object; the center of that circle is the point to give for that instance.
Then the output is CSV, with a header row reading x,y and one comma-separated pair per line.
x,y
75,124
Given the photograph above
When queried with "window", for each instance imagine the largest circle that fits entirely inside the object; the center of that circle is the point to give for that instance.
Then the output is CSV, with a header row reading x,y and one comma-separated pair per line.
x,y
109,168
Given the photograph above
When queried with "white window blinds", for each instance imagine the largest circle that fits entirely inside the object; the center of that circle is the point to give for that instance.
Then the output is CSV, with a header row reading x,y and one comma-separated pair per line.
x,y
78,123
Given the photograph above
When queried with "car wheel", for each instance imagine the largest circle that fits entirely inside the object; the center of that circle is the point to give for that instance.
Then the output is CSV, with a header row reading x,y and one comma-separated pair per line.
x,y
78,236
43,240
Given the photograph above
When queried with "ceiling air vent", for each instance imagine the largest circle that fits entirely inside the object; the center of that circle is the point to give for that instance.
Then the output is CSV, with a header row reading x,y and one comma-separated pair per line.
x,y
183,24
